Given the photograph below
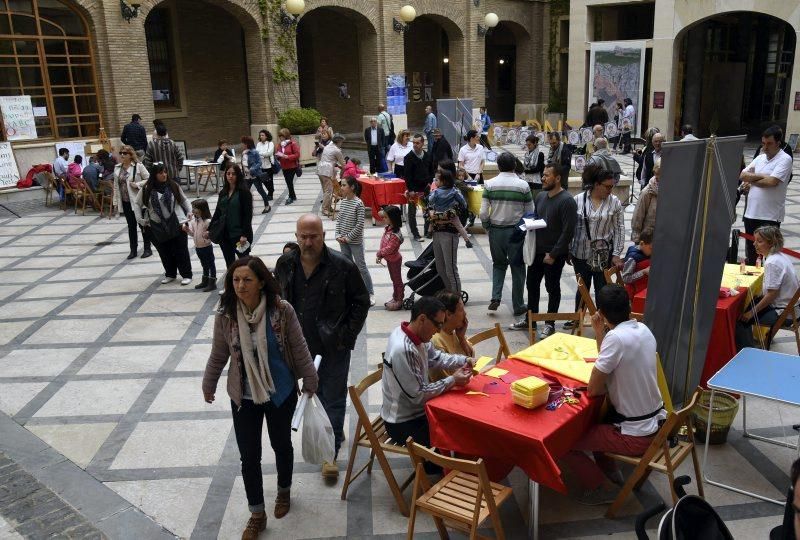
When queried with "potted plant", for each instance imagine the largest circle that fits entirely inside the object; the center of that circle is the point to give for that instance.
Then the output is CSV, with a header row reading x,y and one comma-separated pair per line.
x,y
302,123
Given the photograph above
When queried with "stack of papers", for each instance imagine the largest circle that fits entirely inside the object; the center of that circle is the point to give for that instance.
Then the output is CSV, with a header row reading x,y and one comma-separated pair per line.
x,y
530,224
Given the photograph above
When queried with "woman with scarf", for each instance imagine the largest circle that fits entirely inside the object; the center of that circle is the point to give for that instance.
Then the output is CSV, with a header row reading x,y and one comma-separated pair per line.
x,y
261,335
533,161
129,177
644,216
235,210
166,207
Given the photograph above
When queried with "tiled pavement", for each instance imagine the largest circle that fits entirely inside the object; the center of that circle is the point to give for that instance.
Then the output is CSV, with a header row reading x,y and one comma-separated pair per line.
x,y
100,370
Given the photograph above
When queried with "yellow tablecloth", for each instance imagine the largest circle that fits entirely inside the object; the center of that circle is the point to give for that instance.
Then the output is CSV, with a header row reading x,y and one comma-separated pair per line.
x,y
733,279
564,354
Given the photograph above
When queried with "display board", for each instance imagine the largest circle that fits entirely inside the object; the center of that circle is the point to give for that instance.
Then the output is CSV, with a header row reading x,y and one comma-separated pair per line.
x,y
616,72
396,93
18,120
9,174
76,148
454,118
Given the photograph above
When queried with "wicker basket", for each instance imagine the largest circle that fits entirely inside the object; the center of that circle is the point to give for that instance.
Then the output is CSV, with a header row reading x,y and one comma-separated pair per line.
x,y
724,411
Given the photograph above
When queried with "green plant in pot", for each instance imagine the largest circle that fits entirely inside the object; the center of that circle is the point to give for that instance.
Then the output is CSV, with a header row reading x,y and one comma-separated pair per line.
x,y
300,121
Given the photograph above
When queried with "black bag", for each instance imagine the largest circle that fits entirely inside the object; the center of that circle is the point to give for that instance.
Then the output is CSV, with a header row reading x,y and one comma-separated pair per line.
x,y
299,170
600,249
216,229
276,166
165,230
733,250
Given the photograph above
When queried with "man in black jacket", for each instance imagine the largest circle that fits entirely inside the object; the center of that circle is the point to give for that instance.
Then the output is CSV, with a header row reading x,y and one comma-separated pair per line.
x,y
441,149
561,155
376,142
135,135
419,175
330,298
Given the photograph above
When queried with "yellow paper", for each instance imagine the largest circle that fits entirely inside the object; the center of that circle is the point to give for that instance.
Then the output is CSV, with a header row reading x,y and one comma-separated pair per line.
x,y
482,362
496,372
732,278
563,354
473,393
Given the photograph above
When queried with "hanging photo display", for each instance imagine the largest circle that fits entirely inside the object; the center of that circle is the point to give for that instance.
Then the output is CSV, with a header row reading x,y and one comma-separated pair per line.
x,y
616,72
574,137
396,93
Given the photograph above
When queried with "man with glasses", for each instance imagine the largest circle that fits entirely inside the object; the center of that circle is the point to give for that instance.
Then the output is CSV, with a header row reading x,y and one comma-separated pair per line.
x,y
409,356
328,294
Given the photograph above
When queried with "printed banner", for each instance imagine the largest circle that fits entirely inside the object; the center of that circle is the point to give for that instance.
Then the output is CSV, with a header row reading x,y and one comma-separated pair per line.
x,y
18,119
9,174
616,72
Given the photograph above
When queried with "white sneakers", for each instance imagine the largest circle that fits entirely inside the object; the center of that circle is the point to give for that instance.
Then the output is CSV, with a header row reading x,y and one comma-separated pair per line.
x,y
184,281
371,300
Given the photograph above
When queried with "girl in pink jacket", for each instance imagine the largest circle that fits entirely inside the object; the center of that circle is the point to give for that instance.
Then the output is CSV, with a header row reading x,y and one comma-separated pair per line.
x,y
351,168
197,226
390,250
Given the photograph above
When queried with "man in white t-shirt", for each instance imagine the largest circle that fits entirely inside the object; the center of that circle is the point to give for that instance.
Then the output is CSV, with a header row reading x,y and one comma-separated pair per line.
x,y
625,370
765,180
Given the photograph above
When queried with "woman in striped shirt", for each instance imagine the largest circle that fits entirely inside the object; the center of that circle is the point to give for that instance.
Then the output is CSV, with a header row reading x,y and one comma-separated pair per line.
x,y
600,225
350,230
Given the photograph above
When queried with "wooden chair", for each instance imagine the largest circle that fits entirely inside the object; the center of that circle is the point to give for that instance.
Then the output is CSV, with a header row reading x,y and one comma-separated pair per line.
x,y
638,316
502,350
613,275
372,434
786,321
50,184
82,192
68,193
536,317
586,299
209,171
105,193
337,196
664,455
464,497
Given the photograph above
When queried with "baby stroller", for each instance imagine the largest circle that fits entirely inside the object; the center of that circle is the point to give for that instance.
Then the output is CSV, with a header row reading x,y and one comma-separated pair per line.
x,y
423,278
691,518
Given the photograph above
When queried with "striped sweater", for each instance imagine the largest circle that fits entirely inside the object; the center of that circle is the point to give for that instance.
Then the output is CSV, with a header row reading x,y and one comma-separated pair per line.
x,y
506,198
405,383
164,150
350,221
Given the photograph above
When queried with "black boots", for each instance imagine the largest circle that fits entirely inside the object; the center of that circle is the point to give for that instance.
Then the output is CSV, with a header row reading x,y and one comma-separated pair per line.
x,y
208,284
202,284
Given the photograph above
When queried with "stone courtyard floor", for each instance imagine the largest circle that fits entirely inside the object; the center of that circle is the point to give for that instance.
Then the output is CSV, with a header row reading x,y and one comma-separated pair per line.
x,y
100,370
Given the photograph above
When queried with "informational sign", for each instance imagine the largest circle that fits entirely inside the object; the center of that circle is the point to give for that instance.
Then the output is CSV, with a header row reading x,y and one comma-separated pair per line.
x,y
658,99
396,93
18,119
9,174
616,72
76,148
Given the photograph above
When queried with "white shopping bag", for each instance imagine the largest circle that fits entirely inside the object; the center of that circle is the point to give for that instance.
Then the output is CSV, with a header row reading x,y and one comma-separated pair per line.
x,y
318,441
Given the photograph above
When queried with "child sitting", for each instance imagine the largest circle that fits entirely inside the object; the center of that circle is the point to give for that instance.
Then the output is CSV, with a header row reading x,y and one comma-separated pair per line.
x,y
351,168
636,270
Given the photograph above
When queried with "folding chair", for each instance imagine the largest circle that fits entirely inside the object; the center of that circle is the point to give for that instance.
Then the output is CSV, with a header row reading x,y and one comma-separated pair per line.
x,y
68,192
464,497
82,191
49,183
337,196
786,321
503,350
613,275
105,192
586,303
638,316
536,317
372,434
664,455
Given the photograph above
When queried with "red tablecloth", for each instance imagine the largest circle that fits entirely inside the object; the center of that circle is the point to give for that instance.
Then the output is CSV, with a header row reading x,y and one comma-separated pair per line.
x,y
722,344
505,434
377,193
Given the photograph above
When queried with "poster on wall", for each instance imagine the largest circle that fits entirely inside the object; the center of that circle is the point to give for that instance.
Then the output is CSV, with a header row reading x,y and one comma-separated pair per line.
x,y
343,91
396,93
415,79
428,93
18,119
9,174
76,148
616,72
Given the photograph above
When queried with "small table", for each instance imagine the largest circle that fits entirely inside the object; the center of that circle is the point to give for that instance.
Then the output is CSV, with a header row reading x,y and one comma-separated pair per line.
x,y
754,372
505,434
377,193
200,168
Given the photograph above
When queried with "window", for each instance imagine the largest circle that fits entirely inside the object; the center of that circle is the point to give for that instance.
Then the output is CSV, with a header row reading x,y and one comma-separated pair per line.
x,y
161,55
45,53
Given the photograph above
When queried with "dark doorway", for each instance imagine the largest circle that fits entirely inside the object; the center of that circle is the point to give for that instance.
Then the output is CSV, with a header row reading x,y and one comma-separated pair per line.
x,y
501,73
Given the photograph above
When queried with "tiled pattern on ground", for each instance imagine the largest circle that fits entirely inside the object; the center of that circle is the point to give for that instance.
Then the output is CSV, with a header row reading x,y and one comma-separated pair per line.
x,y
104,364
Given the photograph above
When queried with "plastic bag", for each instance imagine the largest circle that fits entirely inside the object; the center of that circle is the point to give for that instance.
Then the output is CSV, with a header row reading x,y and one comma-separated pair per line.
x,y
318,442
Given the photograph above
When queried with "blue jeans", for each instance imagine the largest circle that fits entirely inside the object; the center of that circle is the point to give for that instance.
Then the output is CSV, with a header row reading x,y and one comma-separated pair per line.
x,y
504,254
332,390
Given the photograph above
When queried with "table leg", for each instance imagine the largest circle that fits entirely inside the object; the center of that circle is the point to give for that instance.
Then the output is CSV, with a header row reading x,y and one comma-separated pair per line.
x,y
533,510
749,435
706,478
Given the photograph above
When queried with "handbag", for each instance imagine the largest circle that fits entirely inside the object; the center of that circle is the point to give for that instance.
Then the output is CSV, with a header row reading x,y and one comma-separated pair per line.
x,y
276,166
216,229
165,230
599,248
299,170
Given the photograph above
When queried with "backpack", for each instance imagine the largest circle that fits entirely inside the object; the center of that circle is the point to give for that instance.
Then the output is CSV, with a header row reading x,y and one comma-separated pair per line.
x,y
254,163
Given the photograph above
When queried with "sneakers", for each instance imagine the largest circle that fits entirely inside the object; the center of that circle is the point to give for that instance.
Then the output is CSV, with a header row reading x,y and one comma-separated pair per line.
x,y
371,300
615,477
146,253
597,497
256,524
493,305
186,281
394,305
330,471
419,238
519,324
167,280
569,325
282,504
547,331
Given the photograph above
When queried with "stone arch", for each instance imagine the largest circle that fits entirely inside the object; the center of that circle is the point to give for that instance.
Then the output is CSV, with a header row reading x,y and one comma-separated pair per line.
x,y
352,61
698,77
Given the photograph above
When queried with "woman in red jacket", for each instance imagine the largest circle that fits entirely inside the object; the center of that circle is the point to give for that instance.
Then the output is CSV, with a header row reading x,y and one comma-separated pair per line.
x,y
289,155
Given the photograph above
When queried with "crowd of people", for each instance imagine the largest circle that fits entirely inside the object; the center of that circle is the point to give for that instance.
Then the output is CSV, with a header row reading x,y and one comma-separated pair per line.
x,y
270,323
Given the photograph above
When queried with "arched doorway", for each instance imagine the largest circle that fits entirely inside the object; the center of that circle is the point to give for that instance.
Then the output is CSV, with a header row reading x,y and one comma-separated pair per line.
x,y
199,54
433,48
734,73
337,61
504,80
